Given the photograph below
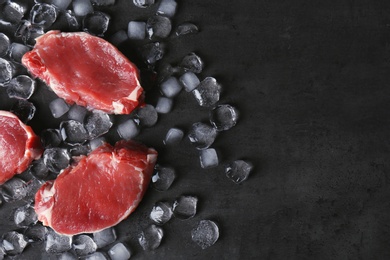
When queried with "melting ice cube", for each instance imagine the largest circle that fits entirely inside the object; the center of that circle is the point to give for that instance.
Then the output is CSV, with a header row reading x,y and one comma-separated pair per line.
x,y
167,8
173,136
238,171
208,158
207,92
164,105
67,256
95,143
21,86
97,124
56,159
103,2
84,245
13,11
38,169
61,4
119,37
151,237
143,3
36,233
158,26
202,135
205,234
136,30
189,80
23,109
56,243
14,189
58,107
161,213
73,132
119,252
77,113
14,243
147,115
105,237
163,178
5,71
51,138
82,7
4,44
223,117
170,87
192,62
96,23
186,28
152,52
96,256
184,207
128,129
25,216
43,14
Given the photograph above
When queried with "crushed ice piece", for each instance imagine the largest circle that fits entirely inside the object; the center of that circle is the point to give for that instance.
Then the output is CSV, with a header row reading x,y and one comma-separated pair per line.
x,y
5,71
36,233
103,2
38,169
202,135
24,110
152,52
238,171
95,143
118,38
58,107
105,237
119,252
97,124
61,4
151,237
128,129
82,149
146,115
82,7
164,105
69,255
43,14
136,30
208,158
51,138
161,213
192,62
207,92
143,3
96,23
173,136
13,190
167,8
14,243
96,256
171,87
84,245
13,12
25,216
223,117
77,113
184,207
158,26
56,159
72,21
189,80
21,87
186,28
205,234
56,243
73,132
4,44
163,177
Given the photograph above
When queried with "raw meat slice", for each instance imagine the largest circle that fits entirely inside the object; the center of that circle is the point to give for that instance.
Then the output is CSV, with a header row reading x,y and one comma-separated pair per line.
x,y
86,70
19,146
98,191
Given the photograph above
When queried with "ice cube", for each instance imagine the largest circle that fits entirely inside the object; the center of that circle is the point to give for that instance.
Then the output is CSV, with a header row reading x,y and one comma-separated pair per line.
x,y
4,44
14,243
72,21
164,105
14,189
21,86
205,234
2,252
128,129
171,87
38,169
23,30
16,51
158,26
238,171
136,30
96,256
143,3
192,62
119,252
207,92
186,28
25,216
184,207
13,11
82,7
5,71
96,23
189,80
95,143
105,237
73,132
51,138
77,113
43,14
61,4
146,115
103,2
84,245
161,213
97,124
118,38
173,136
33,33
56,243
152,52
81,149
167,8
23,109
32,186
223,117
202,135
208,158
56,159
58,107
69,255
163,177
151,237
36,233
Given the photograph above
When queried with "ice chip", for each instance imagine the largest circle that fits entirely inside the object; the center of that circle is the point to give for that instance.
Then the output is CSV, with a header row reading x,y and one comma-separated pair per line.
x,y
202,135
38,169
143,3
96,256
151,237
58,107
43,14
189,80
105,237
13,12
14,189
192,62
161,213
136,30
186,28
205,234
32,186
163,177
14,243
56,159
81,149
69,255
207,92
119,252
25,216
158,26
56,243
97,124
128,129
147,115
119,37
4,44
238,171
77,113
36,233
152,52
167,8
96,23
21,87
51,138
164,105
184,207
73,132
16,51
24,109
5,71
208,158
61,4
173,136
82,7
73,23
95,143
171,87
103,2
84,245
223,117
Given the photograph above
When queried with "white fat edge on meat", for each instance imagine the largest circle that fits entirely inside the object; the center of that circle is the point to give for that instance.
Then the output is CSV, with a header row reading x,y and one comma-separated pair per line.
x,y
46,213
118,105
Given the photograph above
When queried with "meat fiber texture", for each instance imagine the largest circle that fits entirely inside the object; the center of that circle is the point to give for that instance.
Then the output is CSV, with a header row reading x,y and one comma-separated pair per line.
x,y
19,146
86,70
98,191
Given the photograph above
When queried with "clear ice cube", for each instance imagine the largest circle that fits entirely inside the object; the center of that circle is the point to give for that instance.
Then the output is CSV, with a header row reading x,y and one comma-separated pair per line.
x,y
5,71
173,136
186,28
73,132
96,256
128,129
21,87
189,80
223,117
58,107
36,233
143,3
24,109
14,189
4,44
95,143
164,105
163,177
17,50
61,4
13,12
25,216
146,115
205,234
208,158
84,245
192,62
184,207
14,243
69,255
136,30
56,243
171,87
152,52
38,169
96,23
51,138
119,252
97,124
77,113
105,237
56,159
238,171
161,213
103,2
202,135
207,92
43,15
158,26
167,8
118,38
151,237
82,7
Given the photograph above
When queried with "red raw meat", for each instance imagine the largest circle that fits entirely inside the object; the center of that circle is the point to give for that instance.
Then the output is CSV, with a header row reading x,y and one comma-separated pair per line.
x,y
98,191
86,70
19,146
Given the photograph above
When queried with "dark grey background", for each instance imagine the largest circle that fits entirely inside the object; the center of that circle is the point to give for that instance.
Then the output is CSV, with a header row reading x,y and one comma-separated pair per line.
x,y
310,79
